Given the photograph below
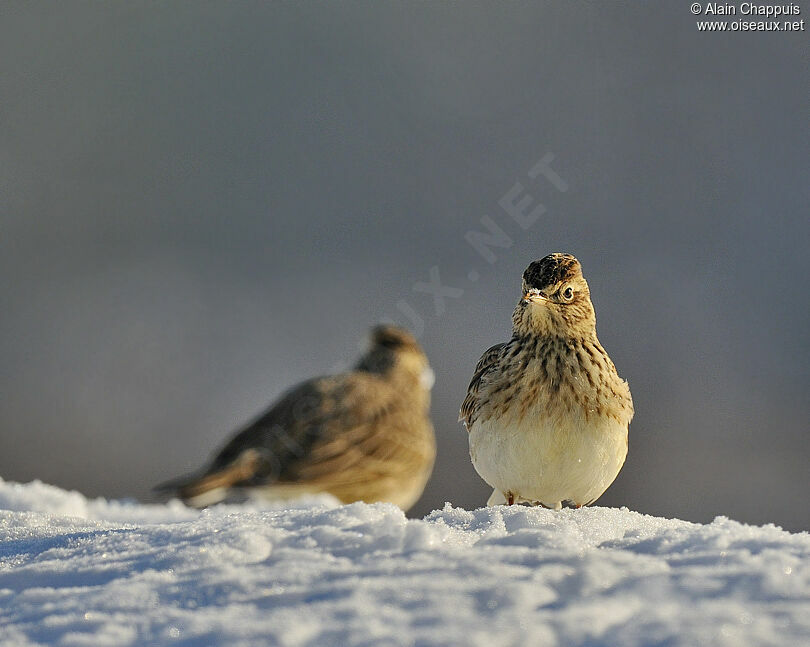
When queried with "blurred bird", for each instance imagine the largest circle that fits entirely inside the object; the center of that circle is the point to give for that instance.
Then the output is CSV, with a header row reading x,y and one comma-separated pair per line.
x,y
546,412
364,435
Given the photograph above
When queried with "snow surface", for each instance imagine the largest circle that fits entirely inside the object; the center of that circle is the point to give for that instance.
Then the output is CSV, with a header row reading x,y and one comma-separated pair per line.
x,y
91,572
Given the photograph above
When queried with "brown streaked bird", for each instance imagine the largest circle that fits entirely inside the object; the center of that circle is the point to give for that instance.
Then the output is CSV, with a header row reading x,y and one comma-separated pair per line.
x,y
546,412
364,435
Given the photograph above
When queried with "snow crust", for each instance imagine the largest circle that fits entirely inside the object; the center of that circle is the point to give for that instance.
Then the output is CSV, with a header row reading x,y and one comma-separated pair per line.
x,y
77,572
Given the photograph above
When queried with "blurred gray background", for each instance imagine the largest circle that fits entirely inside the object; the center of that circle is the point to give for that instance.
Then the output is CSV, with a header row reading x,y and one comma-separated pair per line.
x,y
203,203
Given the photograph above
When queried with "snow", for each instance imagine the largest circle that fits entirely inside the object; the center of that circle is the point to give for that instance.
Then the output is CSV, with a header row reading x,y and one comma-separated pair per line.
x,y
78,572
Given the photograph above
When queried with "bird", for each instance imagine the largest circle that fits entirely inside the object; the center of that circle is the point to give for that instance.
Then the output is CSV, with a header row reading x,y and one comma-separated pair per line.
x,y
546,413
363,435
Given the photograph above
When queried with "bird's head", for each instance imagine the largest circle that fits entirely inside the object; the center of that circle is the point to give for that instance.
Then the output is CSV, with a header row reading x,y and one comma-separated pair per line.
x,y
555,299
393,350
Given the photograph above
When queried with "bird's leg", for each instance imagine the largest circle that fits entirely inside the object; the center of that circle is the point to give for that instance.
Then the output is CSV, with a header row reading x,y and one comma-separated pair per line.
x,y
510,498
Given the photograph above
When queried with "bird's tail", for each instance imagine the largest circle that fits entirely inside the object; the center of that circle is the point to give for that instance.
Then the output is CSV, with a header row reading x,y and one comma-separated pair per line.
x,y
211,487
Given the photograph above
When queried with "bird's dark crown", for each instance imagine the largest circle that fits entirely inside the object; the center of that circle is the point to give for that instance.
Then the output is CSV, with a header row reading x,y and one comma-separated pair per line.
x,y
393,349
393,338
551,270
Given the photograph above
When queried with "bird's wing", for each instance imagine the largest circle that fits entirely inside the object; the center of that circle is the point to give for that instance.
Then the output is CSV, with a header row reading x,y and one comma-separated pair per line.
x,y
328,433
469,408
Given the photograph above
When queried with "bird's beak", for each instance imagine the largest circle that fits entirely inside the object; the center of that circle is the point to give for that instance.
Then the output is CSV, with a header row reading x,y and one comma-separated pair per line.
x,y
534,296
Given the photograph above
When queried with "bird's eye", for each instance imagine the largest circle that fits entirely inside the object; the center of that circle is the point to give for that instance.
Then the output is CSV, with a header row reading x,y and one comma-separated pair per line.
x,y
568,293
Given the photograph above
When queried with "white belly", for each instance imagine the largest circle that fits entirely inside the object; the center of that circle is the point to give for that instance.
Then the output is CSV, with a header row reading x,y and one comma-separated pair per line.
x,y
549,460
